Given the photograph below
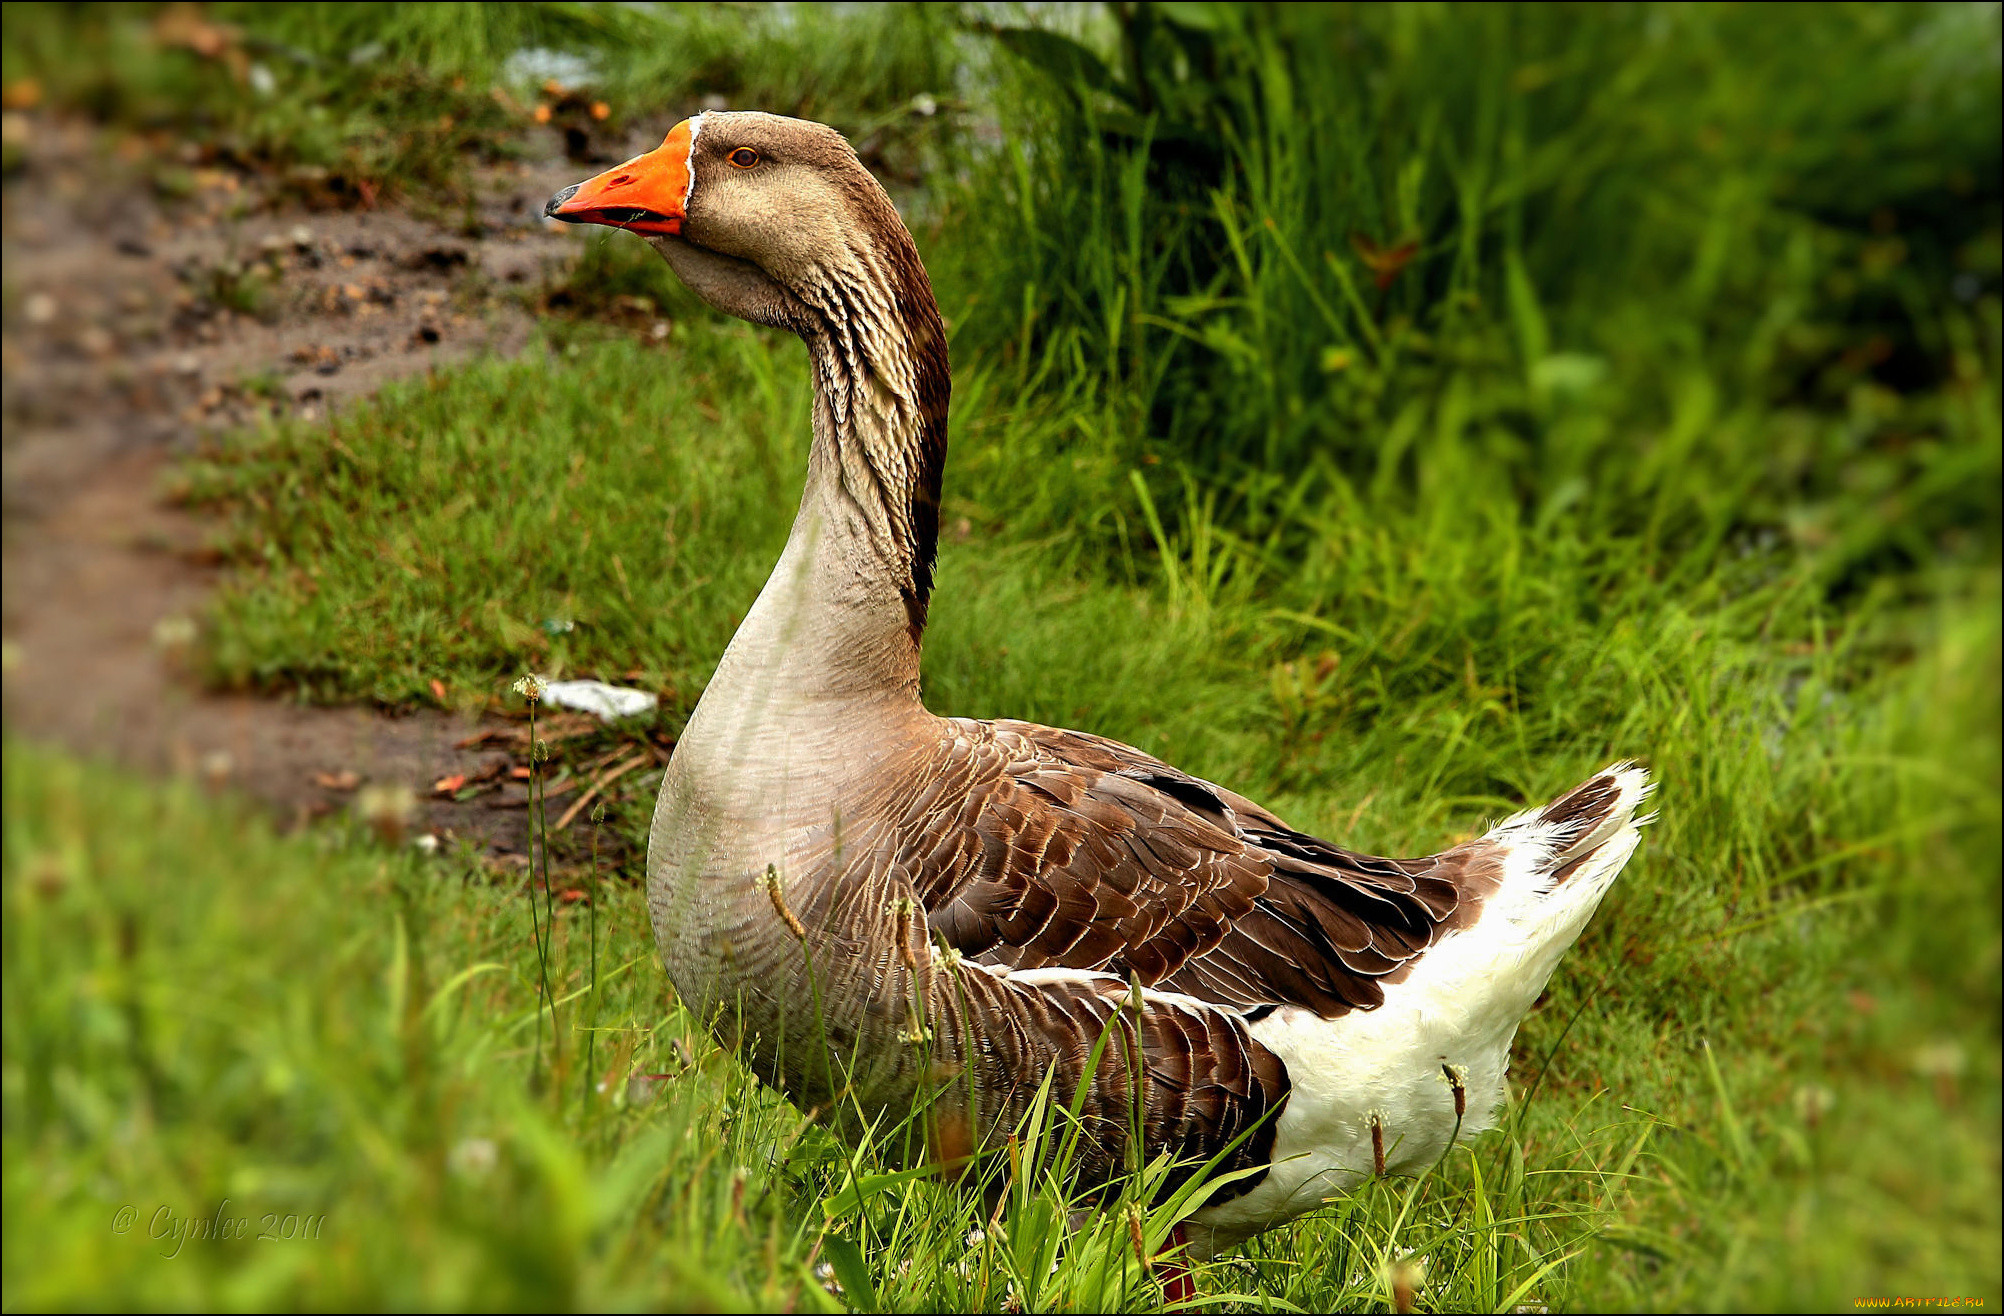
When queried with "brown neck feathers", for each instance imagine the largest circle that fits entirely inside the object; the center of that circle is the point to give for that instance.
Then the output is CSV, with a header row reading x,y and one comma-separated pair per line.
x,y
933,384
879,343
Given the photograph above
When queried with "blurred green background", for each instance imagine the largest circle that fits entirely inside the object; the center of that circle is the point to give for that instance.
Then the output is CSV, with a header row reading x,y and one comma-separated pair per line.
x,y
1394,412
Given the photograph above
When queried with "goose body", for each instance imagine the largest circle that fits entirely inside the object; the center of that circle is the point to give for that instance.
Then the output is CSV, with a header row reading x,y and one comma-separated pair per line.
x,y
889,910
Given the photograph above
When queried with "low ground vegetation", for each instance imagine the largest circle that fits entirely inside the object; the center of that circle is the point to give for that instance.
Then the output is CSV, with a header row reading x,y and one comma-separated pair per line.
x,y
1630,390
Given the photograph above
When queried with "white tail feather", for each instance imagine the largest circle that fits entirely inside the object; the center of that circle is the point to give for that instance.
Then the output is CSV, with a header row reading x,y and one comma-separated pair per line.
x,y
1455,1013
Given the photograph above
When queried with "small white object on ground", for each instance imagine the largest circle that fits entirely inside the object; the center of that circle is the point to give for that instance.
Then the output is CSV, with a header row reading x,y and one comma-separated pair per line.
x,y
607,701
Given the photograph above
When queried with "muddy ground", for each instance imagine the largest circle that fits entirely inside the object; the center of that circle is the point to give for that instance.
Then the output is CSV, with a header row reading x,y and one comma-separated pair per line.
x,y
134,324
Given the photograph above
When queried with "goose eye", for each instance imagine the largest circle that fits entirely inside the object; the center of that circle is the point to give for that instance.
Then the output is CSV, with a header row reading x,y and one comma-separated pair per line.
x,y
744,157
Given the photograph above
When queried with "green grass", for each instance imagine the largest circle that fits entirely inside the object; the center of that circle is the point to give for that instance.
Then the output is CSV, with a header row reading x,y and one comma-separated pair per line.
x,y
630,511
1816,906
354,104
198,1011
1677,438
332,1030
1656,236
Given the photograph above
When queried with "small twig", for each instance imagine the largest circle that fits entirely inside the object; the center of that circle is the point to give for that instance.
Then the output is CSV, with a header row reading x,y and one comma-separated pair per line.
x,y
531,688
539,794
598,786
1351,823
591,1037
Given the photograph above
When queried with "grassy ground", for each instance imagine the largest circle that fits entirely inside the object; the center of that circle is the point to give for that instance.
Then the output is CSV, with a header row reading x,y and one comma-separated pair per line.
x,y
1658,451
1768,1076
357,105
1780,1094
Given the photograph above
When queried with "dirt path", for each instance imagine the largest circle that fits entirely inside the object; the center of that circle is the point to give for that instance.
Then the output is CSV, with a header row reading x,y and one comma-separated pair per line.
x,y
134,325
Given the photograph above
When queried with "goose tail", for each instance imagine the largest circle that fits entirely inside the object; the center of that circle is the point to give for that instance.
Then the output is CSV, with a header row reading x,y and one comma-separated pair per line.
x,y
1385,1090
1574,840
1559,860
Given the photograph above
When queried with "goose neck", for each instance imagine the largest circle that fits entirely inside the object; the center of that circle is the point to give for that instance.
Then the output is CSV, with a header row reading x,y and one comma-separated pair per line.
x,y
843,614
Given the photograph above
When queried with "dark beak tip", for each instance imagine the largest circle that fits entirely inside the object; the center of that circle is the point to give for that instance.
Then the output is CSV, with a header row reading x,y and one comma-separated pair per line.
x,y
550,209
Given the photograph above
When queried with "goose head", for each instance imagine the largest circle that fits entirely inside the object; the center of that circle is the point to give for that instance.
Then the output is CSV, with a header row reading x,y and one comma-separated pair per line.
x,y
760,215
775,220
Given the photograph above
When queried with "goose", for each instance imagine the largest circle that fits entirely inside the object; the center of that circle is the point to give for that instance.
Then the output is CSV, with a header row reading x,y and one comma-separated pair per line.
x,y
886,910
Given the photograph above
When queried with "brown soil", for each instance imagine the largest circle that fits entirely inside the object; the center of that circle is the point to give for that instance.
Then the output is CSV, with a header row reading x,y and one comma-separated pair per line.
x,y
135,325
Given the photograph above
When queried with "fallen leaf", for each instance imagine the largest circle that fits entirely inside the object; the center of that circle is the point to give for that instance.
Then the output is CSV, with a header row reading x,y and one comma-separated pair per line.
x,y
447,785
438,689
344,780
571,895
184,25
1383,262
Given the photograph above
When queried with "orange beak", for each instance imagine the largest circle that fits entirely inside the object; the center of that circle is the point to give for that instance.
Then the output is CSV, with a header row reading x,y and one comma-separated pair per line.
x,y
647,194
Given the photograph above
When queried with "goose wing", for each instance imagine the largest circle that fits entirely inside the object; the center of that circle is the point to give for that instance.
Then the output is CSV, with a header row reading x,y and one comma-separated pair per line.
x,y
1033,847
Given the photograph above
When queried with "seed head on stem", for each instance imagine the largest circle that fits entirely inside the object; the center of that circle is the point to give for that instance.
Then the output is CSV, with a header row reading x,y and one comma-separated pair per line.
x,y
901,909
1456,1078
1134,1236
770,881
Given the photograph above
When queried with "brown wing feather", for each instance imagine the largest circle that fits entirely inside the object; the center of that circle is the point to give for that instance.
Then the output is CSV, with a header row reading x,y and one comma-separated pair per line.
x,y
1034,847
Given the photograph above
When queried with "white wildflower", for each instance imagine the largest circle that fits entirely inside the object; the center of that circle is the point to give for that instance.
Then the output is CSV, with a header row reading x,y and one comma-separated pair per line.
x,y
473,1157
1813,1101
